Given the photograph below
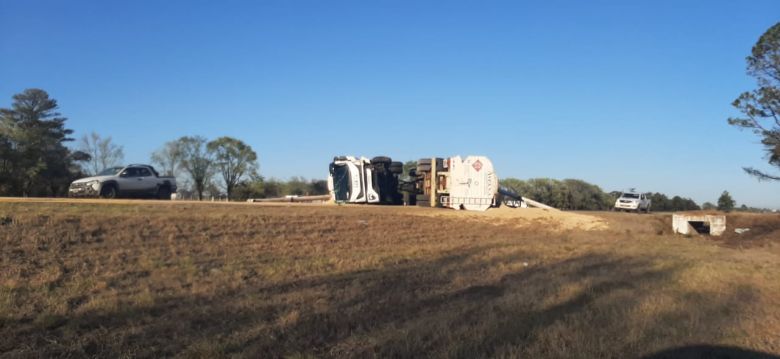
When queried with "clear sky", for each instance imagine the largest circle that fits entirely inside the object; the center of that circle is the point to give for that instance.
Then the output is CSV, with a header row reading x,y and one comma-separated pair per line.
x,y
618,93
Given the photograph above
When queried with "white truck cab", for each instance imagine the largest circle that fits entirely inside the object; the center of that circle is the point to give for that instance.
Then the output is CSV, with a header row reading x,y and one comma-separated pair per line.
x,y
360,180
632,201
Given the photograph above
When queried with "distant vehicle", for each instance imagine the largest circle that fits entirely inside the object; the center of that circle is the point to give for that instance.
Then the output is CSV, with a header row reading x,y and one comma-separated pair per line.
x,y
129,181
632,201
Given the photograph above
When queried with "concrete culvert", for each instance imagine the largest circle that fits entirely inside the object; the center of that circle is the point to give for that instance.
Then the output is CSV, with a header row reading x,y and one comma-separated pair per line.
x,y
706,224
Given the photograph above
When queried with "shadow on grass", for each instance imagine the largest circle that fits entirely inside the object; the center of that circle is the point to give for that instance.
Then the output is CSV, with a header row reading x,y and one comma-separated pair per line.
x,y
587,306
710,352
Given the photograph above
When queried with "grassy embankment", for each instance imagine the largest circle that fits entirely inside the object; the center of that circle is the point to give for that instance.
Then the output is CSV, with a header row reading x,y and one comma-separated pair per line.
x,y
151,279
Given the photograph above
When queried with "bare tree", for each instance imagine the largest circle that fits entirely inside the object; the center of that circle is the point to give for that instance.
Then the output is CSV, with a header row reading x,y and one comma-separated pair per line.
x,y
103,152
169,158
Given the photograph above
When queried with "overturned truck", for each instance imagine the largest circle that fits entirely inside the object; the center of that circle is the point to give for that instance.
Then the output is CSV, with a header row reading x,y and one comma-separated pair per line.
x,y
468,183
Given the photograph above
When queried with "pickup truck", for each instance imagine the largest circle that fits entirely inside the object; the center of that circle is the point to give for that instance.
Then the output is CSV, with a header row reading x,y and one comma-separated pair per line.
x,y
631,201
128,181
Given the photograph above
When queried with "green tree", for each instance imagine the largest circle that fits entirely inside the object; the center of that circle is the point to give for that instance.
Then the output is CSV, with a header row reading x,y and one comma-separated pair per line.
x,y
296,186
257,187
35,160
582,195
516,185
233,159
8,158
708,206
725,202
761,107
318,187
273,188
660,202
197,162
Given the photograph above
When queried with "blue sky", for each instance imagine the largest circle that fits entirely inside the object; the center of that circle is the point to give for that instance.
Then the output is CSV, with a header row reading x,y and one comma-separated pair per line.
x,y
621,94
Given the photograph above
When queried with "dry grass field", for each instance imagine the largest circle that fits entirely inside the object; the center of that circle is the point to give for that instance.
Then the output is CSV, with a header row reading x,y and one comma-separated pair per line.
x,y
156,279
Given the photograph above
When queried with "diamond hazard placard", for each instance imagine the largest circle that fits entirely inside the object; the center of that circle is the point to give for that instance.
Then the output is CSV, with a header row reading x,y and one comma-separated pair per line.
x,y
477,165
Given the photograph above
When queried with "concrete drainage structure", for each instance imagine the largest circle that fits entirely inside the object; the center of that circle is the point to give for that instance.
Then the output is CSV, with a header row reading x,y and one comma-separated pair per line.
x,y
710,224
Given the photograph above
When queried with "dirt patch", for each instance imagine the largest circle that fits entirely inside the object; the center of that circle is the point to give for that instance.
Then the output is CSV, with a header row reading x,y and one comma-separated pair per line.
x,y
762,230
551,219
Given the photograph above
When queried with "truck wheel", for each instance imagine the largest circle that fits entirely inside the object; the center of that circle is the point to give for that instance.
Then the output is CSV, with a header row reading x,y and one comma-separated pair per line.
x,y
164,193
381,159
108,191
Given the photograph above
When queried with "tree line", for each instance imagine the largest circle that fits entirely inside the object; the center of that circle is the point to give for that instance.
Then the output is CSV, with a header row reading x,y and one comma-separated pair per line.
x,y
36,159
225,168
575,194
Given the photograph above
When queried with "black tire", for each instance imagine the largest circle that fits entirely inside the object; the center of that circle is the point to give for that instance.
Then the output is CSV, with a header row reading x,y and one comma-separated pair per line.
x,y
396,170
109,191
381,159
379,168
164,193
